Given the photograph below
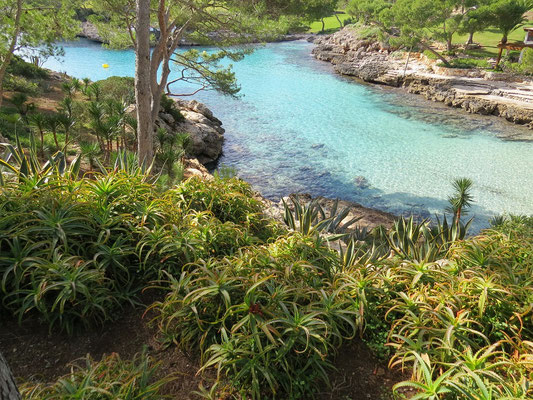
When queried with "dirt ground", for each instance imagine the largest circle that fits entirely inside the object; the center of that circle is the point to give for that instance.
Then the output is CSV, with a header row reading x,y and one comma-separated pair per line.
x,y
37,356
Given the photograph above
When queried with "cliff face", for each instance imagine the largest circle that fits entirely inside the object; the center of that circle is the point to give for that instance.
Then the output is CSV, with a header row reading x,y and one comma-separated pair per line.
x,y
475,91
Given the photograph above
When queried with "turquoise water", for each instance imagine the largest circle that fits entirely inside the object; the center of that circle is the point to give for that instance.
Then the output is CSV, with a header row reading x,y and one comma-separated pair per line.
x,y
300,127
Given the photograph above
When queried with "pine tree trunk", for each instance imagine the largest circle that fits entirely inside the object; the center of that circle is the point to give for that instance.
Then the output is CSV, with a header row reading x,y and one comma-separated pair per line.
x,y
339,20
8,387
143,93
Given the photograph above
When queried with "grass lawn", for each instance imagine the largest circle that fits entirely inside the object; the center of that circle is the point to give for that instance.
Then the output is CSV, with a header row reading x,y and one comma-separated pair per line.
x,y
489,39
332,25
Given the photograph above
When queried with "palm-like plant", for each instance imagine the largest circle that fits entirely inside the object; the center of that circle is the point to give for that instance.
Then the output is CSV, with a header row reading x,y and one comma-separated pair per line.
x,y
39,121
67,122
462,199
53,123
26,165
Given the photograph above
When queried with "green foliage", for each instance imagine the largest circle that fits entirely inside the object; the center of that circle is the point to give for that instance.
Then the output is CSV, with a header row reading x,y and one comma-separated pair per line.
x,y
20,84
526,64
419,23
266,318
117,88
168,105
72,251
310,219
467,63
109,379
507,15
268,309
25,69
229,200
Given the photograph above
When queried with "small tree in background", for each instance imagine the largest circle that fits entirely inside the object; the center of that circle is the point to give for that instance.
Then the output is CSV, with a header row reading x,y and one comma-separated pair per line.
x,y
507,15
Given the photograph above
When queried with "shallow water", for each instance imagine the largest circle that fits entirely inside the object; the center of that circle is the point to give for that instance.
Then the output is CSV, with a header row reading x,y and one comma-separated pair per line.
x,y
300,127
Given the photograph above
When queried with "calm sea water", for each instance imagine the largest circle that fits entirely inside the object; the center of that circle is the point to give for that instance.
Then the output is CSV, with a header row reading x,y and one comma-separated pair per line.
x,y
298,127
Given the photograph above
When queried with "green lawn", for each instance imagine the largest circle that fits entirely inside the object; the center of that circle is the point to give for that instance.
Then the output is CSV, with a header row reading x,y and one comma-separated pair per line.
x,y
490,38
331,25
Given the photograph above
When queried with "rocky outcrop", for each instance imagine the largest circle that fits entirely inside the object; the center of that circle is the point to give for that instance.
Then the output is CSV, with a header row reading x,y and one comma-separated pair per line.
x,y
193,167
351,55
204,129
89,31
473,90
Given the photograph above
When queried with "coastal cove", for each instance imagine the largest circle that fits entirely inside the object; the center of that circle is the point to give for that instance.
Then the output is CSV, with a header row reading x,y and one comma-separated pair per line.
x,y
298,127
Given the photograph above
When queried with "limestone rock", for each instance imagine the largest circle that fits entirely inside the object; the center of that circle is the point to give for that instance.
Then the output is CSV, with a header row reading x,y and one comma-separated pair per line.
x,y
205,130
89,31
473,90
193,167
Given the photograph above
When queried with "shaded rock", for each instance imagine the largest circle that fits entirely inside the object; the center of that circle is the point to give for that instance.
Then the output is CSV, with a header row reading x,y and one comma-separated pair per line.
x,y
204,129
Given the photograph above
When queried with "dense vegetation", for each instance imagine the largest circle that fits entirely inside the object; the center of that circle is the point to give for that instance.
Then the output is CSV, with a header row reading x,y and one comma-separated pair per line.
x,y
265,306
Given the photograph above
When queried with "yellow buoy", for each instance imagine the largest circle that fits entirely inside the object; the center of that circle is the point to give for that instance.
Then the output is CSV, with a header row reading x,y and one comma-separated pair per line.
x,y
105,65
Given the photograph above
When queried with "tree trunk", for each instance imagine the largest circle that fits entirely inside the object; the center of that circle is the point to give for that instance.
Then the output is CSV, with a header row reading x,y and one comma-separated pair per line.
x,y
143,93
470,39
499,58
338,19
449,44
54,132
11,49
8,386
323,25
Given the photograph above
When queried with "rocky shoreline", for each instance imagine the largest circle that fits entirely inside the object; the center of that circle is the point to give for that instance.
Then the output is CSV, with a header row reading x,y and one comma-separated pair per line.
x,y
475,91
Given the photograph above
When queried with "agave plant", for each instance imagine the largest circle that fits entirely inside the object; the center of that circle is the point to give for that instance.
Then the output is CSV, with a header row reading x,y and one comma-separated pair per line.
x,y
26,165
311,219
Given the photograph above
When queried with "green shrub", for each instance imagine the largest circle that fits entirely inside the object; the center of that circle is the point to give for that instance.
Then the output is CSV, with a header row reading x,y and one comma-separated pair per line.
x,y
118,88
268,319
21,68
467,63
72,251
228,199
21,84
525,66
267,308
